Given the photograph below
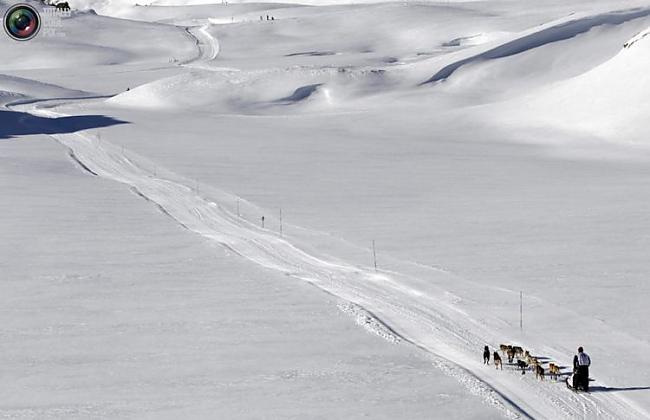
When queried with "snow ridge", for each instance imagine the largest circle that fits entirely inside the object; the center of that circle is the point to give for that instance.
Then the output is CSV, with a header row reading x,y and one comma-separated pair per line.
x,y
554,32
368,321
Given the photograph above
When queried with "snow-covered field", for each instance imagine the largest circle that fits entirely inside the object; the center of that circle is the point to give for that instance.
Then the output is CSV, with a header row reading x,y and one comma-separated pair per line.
x,y
487,148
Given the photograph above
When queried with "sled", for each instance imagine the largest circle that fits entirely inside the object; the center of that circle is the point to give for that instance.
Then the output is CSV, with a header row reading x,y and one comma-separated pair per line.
x,y
567,381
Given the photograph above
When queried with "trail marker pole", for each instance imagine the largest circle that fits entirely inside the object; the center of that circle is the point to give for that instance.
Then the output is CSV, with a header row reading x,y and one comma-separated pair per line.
x,y
374,254
521,311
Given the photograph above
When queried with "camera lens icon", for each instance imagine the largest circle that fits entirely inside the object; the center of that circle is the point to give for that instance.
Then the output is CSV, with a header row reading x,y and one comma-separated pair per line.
x,y
22,22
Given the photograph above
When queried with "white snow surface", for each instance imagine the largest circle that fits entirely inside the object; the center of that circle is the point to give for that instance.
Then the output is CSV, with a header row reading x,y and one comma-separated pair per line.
x,y
487,148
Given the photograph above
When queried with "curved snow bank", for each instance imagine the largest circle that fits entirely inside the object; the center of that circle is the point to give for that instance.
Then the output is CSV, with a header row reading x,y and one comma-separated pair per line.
x,y
253,92
612,101
91,40
476,39
540,37
505,78
12,88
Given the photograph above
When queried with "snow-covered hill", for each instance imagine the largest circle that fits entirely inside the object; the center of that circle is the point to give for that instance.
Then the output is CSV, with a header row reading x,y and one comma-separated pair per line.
x,y
177,175
610,101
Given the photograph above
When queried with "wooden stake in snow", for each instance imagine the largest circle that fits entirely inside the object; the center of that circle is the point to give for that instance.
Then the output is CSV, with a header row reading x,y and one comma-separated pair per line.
x,y
521,311
374,254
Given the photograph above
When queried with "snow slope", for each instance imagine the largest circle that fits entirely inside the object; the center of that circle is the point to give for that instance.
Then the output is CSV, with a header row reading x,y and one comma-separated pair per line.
x,y
88,40
12,88
111,311
555,32
407,311
433,171
618,112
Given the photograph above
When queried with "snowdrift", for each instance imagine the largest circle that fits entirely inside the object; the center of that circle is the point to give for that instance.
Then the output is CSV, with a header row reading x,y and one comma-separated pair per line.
x,y
256,92
545,36
611,101
14,88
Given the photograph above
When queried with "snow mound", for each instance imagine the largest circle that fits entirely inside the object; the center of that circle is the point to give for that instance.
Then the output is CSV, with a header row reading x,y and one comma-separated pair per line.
x,y
256,92
611,101
537,38
477,39
14,88
227,91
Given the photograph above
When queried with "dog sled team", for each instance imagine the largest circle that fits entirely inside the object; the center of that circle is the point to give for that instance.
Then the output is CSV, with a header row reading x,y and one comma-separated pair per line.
x,y
579,379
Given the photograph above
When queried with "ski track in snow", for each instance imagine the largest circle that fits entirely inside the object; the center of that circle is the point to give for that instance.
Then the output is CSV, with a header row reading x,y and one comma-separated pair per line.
x,y
381,302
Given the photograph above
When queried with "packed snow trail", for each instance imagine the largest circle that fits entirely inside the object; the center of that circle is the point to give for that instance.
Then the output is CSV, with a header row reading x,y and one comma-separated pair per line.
x,y
382,302
394,308
208,50
207,44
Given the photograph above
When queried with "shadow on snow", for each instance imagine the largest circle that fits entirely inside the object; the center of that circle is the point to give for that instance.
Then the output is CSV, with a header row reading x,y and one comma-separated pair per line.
x,y
614,389
13,124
